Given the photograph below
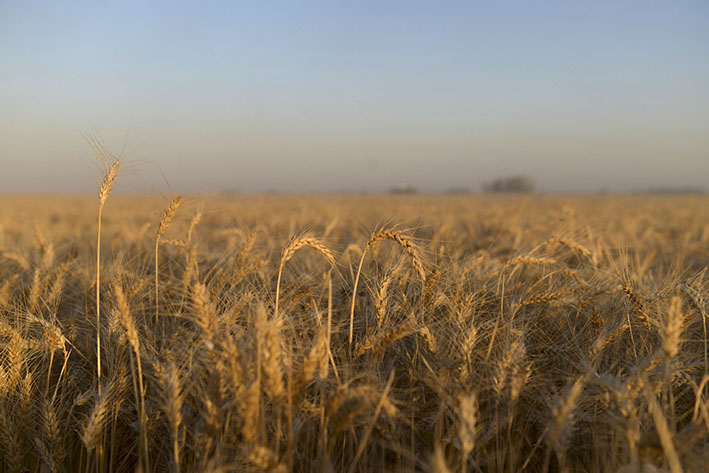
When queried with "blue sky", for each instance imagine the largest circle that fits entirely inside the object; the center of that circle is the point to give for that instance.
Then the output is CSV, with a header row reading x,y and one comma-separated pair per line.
x,y
325,96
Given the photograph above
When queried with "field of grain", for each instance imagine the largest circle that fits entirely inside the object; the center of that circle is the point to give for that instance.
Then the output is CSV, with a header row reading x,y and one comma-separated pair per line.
x,y
354,333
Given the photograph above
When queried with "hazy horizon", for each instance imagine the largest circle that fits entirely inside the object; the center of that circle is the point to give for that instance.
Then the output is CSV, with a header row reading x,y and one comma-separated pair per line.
x,y
361,96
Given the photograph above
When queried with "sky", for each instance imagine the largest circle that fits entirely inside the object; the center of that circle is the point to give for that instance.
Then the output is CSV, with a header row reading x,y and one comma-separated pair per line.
x,y
326,96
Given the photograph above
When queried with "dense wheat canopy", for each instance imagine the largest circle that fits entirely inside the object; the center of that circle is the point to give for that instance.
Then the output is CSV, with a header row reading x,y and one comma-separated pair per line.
x,y
489,334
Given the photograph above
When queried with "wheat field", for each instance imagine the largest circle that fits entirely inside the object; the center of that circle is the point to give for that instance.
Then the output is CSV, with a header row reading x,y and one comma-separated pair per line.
x,y
413,333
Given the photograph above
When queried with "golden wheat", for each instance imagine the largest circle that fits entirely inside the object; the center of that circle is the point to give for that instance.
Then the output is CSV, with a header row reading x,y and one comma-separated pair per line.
x,y
493,342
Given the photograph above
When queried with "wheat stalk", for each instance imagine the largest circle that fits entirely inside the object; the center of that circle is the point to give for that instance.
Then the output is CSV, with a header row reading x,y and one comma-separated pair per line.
x,y
52,434
265,459
380,299
383,400
672,328
671,332
206,316
94,424
665,435
251,412
467,425
172,400
110,167
528,260
563,420
133,338
438,460
167,217
289,250
273,360
405,242
382,340
698,301
10,445
106,187
316,363
193,223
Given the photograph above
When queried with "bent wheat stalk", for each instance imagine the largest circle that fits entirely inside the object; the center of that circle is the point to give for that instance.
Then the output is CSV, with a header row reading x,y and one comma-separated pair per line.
x,y
294,245
406,242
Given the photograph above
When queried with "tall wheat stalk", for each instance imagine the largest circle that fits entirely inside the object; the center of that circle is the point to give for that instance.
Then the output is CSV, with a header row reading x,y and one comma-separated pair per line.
x,y
109,165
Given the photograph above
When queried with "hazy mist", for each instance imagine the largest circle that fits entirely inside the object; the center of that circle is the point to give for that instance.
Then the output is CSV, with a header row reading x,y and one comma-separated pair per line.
x,y
322,96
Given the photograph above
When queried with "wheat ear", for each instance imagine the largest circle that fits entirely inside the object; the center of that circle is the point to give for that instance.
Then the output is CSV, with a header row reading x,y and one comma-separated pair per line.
x,y
94,423
162,228
467,425
563,421
173,397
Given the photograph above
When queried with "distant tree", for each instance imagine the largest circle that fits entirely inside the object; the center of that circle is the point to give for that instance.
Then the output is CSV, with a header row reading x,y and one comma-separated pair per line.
x,y
514,184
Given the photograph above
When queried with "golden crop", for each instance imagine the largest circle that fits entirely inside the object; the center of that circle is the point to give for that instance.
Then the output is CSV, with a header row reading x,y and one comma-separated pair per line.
x,y
487,333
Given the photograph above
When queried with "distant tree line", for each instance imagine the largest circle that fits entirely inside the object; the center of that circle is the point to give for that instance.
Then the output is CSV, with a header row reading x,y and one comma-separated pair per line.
x,y
512,184
516,184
